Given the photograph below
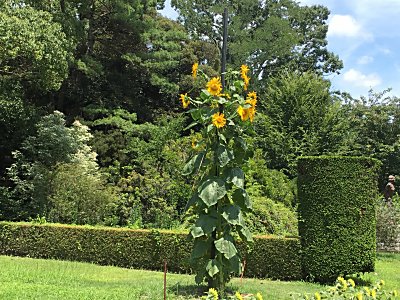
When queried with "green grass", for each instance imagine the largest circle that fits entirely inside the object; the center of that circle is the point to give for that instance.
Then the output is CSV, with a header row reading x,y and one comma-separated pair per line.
x,y
25,278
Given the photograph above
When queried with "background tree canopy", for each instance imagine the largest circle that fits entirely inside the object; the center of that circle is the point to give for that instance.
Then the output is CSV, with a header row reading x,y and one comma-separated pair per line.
x,y
113,71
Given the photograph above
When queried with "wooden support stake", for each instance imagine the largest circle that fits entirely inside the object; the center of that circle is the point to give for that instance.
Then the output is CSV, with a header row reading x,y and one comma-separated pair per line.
x,y
165,279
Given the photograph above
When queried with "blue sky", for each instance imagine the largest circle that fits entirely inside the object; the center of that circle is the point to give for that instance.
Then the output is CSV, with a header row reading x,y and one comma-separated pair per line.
x,y
366,36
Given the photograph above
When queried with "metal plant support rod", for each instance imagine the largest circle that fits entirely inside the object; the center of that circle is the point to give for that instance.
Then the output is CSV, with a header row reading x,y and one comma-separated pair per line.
x,y
224,47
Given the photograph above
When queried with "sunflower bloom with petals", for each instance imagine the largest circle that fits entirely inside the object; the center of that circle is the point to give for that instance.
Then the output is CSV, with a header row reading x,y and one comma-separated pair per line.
x,y
214,86
214,293
243,73
238,296
185,101
194,69
243,113
351,282
373,294
252,113
218,120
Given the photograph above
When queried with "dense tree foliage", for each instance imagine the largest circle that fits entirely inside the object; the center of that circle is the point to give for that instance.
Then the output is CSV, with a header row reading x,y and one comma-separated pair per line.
x,y
115,69
268,35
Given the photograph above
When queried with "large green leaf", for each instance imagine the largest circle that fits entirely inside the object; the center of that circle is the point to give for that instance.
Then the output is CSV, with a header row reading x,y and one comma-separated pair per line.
x,y
212,267
226,247
192,201
205,224
240,142
241,198
212,190
200,248
232,214
224,155
235,176
194,163
235,264
245,234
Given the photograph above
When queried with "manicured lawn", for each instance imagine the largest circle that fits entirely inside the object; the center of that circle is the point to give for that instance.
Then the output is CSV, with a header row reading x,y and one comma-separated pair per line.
x,y
25,278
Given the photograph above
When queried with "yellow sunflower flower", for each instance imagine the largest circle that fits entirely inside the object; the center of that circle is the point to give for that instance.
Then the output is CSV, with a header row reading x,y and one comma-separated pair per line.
x,y
244,69
252,113
218,120
243,113
214,86
246,82
238,296
213,293
194,142
367,291
252,96
359,296
351,282
185,100
226,95
194,69
243,72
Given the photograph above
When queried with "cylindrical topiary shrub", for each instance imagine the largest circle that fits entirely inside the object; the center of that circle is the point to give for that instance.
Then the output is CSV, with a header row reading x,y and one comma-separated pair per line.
x,y
337,215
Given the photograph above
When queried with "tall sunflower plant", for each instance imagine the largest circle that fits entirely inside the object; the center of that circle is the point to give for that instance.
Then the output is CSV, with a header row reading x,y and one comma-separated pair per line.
x,y
219,197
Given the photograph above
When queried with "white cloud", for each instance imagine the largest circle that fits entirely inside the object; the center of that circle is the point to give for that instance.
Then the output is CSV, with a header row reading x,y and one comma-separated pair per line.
x,y
365,60
345,25
385,51
359,79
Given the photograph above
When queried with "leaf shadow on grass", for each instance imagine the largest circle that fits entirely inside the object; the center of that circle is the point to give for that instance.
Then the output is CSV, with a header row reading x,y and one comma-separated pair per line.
x,y
187,290
192,290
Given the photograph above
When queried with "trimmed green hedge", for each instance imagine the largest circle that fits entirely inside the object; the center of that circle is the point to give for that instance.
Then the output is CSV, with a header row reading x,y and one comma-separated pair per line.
x,y
337,215
267,257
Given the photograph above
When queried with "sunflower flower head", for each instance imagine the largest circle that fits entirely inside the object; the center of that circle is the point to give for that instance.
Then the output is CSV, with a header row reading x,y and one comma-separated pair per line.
x,y
194,69
243,113
194,142
244,69
359,296
214,293
252,97
367,291
238,296
373,294
351,282
214,86
218,120
185,100
243,73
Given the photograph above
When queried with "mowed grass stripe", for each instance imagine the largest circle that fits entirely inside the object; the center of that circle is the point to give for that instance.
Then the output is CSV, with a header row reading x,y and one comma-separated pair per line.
x,y
26,278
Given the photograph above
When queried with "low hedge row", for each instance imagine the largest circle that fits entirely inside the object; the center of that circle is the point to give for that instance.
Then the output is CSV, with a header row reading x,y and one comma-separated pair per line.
x,y
267,257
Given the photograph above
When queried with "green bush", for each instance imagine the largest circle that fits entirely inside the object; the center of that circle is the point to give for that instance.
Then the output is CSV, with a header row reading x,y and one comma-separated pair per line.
x,y
142,249
79,197
337,215
270,217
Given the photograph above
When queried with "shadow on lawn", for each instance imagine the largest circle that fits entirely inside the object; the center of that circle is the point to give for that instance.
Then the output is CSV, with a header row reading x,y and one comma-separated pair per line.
x,y
191,290
188,290
359,280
